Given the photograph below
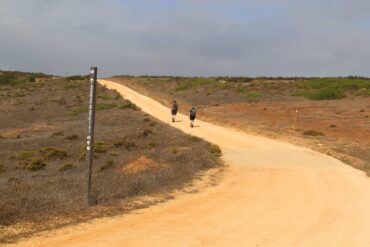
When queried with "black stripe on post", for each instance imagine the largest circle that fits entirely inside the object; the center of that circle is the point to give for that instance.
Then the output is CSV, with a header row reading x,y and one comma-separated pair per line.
x,y
90,133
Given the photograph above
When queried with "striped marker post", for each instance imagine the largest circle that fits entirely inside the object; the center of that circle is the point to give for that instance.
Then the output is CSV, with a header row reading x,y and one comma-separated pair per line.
x,y
90,134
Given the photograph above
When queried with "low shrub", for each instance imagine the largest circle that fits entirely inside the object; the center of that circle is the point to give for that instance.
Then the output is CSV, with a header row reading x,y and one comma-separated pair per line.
x,y
124,143
129,105
79,109
77,77
106,97
101,147
104,106
331,88
150,145
147,132
194,138
36,164
52,153
254,95
215,149
312,133
25,154
7,79
325,94
66,167
72,137
58,133
108,164
82,156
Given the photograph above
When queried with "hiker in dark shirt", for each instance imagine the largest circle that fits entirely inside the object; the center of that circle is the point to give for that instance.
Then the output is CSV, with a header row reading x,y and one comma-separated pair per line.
x,y
192,116
174,110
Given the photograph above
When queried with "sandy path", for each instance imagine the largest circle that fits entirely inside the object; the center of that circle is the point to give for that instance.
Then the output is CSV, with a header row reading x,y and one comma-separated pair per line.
x,y
274,194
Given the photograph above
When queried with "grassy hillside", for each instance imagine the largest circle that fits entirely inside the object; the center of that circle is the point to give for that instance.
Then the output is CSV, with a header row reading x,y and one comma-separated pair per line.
x,y
42,154
330,115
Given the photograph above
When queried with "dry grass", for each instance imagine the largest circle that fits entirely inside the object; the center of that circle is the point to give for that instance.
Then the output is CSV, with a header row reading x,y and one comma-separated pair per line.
x,y
42,170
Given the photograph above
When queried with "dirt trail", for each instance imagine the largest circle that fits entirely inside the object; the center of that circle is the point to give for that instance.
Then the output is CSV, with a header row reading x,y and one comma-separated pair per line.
x,y
273,194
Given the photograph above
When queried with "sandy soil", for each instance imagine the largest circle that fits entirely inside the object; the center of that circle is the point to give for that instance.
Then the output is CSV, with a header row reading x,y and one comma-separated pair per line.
x,y
272,194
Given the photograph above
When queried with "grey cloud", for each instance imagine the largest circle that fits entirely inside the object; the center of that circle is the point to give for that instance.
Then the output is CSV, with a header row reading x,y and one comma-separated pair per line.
x,y
300,38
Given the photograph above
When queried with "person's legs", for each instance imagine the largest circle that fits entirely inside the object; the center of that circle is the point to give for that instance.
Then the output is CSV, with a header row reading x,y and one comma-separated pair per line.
x,y
173,113
192,122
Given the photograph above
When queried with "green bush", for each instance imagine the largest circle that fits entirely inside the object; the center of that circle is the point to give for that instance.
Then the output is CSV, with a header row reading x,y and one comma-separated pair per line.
x,y
330,88
106,97
101,147
52,153
254,95
337,83
7,79
35,164
129,105
194,82
104,106
215,149
326,94
25,154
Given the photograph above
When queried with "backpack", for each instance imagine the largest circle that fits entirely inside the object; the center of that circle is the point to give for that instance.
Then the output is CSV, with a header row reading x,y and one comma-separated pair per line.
x,y
175,107
192,113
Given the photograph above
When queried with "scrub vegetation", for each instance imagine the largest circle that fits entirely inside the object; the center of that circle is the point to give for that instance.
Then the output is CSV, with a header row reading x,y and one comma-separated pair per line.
x,y
42,153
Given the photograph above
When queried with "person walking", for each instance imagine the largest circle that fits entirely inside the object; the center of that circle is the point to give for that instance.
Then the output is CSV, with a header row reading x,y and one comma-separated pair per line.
x,y
174,110
192,116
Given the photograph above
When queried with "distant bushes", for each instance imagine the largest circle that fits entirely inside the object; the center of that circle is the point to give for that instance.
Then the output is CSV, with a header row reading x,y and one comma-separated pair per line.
x,y
330,88
193,82
7,79
77,77
34,160
11,78
322,94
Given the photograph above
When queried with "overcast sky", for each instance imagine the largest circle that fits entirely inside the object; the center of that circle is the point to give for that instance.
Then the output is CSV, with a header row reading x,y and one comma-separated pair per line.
x,y
188,37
